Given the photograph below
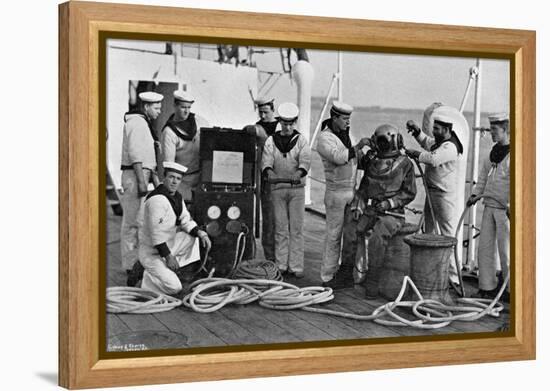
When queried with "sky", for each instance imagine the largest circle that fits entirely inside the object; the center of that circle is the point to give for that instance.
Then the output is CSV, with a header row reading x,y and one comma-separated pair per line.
x,y
403,81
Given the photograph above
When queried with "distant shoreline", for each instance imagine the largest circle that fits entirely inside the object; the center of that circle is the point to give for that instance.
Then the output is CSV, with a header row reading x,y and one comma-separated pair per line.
x,y
317,103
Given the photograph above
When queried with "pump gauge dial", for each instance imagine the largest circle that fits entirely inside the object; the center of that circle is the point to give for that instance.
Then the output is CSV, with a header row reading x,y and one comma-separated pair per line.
x,y
234,212
214,212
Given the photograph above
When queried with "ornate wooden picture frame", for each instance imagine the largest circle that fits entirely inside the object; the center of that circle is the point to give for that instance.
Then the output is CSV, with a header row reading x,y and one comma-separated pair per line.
x,y
82,29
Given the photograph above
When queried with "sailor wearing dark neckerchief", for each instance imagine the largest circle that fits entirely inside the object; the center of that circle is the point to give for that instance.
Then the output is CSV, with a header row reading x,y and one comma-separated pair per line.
x,y
287,156
168,236
268,125
442,156
339,157
138,165
266,110
181,140
494,181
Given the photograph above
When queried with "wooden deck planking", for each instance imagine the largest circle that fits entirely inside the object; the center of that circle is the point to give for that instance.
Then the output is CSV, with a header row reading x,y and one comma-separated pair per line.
x,y
226,329
487,324
366,328
115,325
258,324
253,324
292,324
115,276
187,323
142,322
333,326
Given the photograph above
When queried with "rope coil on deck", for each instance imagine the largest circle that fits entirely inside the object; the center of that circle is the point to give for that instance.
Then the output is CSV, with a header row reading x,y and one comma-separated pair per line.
x,y
211,294
278,295
265,270
131,300
271,294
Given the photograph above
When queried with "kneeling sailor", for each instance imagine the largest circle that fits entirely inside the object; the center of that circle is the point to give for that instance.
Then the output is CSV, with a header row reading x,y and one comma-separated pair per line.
x,y
167,239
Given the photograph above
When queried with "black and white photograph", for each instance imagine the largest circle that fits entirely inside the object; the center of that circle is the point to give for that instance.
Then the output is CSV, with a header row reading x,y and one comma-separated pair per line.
x,y
273,195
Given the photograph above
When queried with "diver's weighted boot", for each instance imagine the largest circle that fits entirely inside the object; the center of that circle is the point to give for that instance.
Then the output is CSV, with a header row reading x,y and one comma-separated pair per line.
x,y
372,278
343,278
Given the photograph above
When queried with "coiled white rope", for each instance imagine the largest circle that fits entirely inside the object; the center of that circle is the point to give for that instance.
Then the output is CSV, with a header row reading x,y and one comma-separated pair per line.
x,y
270,294
211,294
130,300
252,269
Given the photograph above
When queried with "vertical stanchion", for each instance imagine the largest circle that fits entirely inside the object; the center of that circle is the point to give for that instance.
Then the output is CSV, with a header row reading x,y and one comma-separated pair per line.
x,y
473,76
340,78
303,74
321,114
471,264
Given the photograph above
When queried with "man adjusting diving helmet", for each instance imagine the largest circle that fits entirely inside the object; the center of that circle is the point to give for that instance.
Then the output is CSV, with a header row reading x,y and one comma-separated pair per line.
x,y
388,185
442,156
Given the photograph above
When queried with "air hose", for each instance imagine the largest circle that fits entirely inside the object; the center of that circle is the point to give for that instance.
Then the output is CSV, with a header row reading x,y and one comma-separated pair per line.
x,y
239,253
428,198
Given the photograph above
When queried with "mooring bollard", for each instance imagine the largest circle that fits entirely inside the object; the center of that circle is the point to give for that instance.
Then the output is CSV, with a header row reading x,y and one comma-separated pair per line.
x,y
397,263
430,265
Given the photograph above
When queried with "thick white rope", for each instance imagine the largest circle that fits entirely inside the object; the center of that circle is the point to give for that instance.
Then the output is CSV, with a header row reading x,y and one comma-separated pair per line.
x,y
210,294
129,300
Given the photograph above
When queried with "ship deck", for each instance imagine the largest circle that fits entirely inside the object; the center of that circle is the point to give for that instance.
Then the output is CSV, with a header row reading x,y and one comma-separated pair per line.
x,y
252,324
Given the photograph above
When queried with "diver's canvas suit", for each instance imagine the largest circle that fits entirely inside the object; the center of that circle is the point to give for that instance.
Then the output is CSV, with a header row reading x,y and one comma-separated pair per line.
x,y
389,179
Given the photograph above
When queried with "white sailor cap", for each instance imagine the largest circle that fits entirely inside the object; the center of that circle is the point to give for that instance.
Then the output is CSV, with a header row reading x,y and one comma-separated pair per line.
x,y
443,119
341,108
264,100
173,166
498,118
150,97
288,111
183,96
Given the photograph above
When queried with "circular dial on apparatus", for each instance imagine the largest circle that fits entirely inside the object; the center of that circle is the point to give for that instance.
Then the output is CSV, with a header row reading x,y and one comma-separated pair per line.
x,y
234,212
214,212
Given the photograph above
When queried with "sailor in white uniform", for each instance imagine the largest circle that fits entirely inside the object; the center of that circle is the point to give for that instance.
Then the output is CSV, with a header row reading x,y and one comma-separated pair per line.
x,y
181,141
339,158
287,156
494,181
168,237
265,127
442,155
138,166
